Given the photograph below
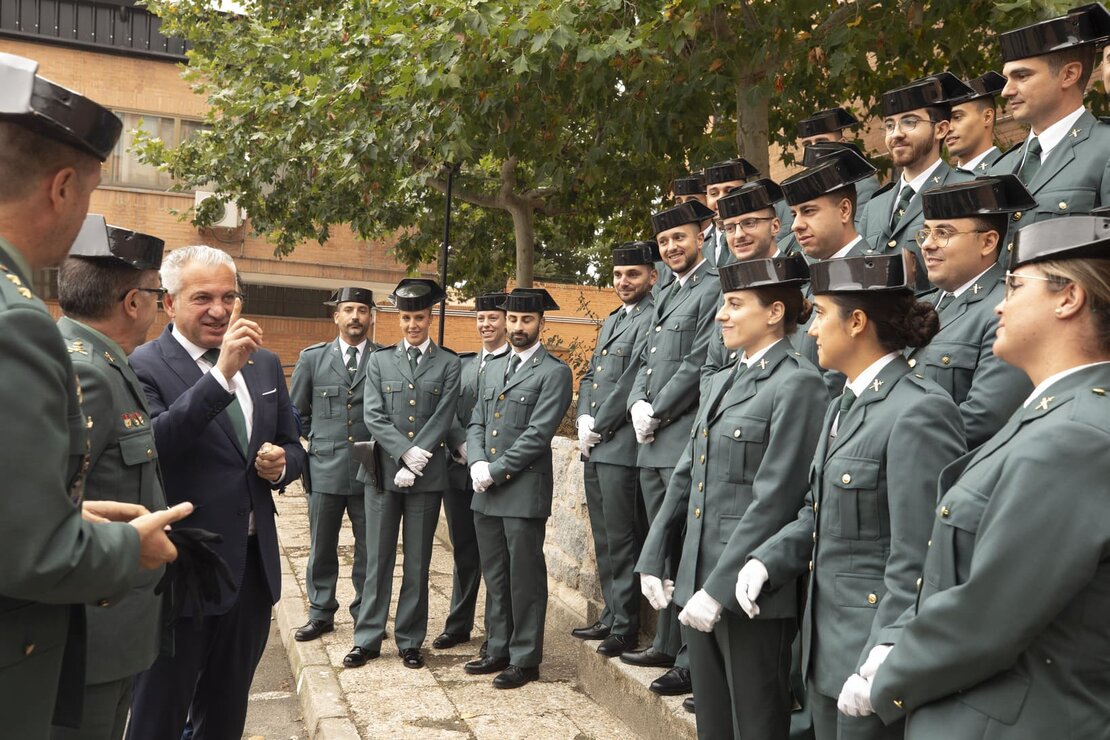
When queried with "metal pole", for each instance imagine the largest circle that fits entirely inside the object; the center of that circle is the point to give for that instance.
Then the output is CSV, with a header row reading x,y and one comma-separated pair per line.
x,y
443,249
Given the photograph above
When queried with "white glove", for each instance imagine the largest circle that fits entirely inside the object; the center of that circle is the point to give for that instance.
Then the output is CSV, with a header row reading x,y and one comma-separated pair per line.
x,y
855,697
404,478
587,437
657,592
875,659
460,454
702,611
416,458
643,421
480,477
749,582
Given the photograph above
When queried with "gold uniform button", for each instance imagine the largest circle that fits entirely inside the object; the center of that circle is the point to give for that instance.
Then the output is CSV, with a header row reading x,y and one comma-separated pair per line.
x,y
846,478
912,362
493,450
946,360
892,243
411,435
349,422
872,599
412,418
149,452
508,477
593,404
732,356
653,350
350,393
1063,206
604,352
701,459
501,397
411,386
103,603
705,432
945,511
736,433
348,406
811,566
412,402
350,439
929,543
493,433
1017,217
918,584
595,386
701,486
29,648
658,328
697,513
496,414
815,536
648,371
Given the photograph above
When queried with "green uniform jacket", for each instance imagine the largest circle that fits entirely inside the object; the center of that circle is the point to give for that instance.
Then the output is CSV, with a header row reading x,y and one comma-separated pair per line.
x,y
864,534
708,248
875,218
124,638
469,369
960,359
52,558
403,410
738,481
603,390
1074,178
669,374
1012,629
329,400
512,428
984,166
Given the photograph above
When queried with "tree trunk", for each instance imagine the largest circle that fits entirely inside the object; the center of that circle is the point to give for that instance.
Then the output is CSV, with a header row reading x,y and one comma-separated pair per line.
x,y
751,126
524,230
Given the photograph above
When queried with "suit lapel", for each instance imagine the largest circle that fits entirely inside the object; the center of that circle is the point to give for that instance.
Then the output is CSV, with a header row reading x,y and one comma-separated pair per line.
x,y
978,291
747,385
685,291
526,368
1064,152
875,392
401,360
427,360
185,367
338,362
913,210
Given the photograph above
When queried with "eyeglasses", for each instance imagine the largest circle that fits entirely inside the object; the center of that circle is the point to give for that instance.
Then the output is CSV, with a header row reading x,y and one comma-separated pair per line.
x,y
748,225
941,237
1011,286
905,125
159,293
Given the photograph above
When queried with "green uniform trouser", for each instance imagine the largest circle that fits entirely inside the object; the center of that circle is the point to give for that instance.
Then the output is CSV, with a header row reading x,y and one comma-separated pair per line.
x,y
104,715
325,519
668,639
516,580
830,724
612,493
385,513
468,566
741,676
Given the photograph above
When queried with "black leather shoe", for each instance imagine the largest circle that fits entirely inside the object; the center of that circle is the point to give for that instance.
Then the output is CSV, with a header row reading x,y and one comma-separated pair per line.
x,y
674,682
596,631
648,657
411,657
448,640
688,704
514,677
315,628
359,656
486,664
615,645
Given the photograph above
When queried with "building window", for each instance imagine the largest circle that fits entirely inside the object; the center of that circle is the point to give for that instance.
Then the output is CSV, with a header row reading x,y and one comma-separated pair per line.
x,y
123,168
274,300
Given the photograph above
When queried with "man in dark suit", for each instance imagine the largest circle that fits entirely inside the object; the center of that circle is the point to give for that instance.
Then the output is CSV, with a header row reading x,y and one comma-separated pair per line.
x,y
226,437
327,393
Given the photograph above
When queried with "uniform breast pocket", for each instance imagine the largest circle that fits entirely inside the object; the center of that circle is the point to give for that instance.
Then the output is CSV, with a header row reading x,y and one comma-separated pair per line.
x,y
1064,202
852,506
619,354
743,439
429,397
859,592
327,400
960,512
321,447
138,449
390,389
520,405
677,339
952,365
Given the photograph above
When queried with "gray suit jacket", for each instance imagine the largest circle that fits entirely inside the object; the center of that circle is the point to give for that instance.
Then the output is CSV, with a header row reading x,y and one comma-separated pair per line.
x,y
864,534
1011,633
404,410
472,372
512,428
329,400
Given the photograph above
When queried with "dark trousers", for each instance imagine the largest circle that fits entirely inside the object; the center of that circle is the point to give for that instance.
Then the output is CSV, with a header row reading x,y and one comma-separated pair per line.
x,y
741,676
668,639
468,565
325,519
414,516
208,679
516,581
612,498
105,712
830,724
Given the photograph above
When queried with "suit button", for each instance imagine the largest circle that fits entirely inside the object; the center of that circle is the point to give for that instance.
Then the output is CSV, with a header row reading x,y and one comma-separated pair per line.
x,y
412,402
816,506
29,648
149,452
493,433
912,362
732,355
595,386
929,543
411,386
593,404
944,512
648,371
1063,206
348,406
658,328
350,393
736,433
702,459
496,414
493,450
1017,217
946,360
705,432
604,352
103,603
501,397
508,477
701,486
811,566
349,422
350,439
892,243
411,435
918,584
815,536
872,599
600,368
412,418
846,478
697,513
653,350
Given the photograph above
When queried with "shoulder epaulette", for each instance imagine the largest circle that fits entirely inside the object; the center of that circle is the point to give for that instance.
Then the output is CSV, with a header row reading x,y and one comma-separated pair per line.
x,y
1093,407
448,349
318,345
882,190
466,355
1104,119
386,347
1017,145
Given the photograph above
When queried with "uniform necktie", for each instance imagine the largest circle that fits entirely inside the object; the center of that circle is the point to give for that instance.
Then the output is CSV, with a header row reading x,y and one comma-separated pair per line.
x,y
514,363
352,360
729,381
669,296
904,198
1032,161
846,400
414,355
234,410
621,315
945,301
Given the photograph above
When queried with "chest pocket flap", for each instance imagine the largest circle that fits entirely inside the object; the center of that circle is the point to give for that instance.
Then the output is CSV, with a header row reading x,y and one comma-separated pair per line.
x,y
327,391
852,472
962,508
487,393
137,449
854,514
390,386
963,355
743,428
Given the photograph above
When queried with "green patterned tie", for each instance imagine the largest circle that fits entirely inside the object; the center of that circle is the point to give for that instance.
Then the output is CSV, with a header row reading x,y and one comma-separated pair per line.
x,y
234,410
352,360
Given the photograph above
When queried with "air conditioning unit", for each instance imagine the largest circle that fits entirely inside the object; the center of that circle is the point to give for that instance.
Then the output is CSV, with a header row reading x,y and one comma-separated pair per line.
x,y
230,217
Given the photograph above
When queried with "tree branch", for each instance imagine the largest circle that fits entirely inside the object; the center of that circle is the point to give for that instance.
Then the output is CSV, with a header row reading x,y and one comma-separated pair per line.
x,y
473,197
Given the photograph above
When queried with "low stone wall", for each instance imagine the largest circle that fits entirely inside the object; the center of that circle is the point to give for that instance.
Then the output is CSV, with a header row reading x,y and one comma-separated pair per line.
x,y
569,546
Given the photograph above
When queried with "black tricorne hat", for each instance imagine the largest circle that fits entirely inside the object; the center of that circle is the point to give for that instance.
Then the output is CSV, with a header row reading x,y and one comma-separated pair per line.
x,y
986,85
753,196
1085,24
529,300
53,111
833,171
763,272
690,185
97,239
690,212
416,294
636,253
869,273
730,170
826,122
813,153
983,196
490,302
352,294
1071,237
935,90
